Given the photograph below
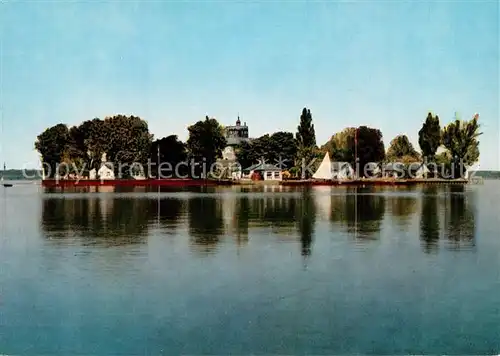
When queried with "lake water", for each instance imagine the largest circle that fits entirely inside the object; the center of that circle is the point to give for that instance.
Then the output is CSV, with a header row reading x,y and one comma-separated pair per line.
x,y
269,270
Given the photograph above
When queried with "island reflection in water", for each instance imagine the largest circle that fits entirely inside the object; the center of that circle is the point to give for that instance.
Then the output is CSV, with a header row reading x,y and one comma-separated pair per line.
x,y
250,270
112,216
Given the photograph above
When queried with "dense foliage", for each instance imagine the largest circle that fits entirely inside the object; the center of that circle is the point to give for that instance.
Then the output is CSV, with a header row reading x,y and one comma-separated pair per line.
x,y
460,138
337,146
368,148
280,149
401,150
167,153
429,137
126,140
52,145
205,143
306,142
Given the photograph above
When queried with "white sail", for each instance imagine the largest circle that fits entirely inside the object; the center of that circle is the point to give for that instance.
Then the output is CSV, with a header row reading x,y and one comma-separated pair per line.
x,y
325,169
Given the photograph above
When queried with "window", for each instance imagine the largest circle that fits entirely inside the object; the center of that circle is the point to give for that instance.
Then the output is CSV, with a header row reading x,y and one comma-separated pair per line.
x,y
269,175
276,175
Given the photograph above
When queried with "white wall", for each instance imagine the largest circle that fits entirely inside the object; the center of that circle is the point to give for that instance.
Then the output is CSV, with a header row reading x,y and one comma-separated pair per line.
x,y
272,173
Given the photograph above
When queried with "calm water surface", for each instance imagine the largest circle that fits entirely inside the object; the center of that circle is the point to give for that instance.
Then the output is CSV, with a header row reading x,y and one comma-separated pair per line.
x,y
233,271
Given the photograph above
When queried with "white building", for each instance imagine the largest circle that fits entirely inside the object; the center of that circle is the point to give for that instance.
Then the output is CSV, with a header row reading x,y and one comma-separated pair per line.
x,y
265,170
105,172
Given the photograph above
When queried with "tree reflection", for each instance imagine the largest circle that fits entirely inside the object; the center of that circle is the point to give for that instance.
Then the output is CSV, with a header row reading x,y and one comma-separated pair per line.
x,y
101,220
166,211
360,210
429,220
460,221
306,219
242,217
402,207
206,222
277,211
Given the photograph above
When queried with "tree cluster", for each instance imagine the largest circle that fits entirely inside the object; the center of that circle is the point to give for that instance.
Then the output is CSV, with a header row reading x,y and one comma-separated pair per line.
x,y
459,139
126,140
280,148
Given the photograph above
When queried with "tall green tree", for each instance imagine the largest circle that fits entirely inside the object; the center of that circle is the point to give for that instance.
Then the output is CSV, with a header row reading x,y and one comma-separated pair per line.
x,y
306,136
96,134
400,148
170,150
370,148
306,142
206,142
53,144
261,148
280,148
245,154
84,140
429,137
367,142
461,140
129,140
283,149
338,145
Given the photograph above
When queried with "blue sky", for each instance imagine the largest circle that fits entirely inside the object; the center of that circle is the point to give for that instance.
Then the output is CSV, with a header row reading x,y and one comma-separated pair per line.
x,y
383,64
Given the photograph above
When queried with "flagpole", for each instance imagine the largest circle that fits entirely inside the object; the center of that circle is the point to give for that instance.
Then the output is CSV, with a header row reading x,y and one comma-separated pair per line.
x,y
158,177
356,152
158,161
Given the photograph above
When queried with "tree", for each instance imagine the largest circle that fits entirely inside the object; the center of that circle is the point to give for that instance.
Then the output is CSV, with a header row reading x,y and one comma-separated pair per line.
x,y
306,140
460,138
337,146
280,148
306,136
401,147
96,135
125,140
370,148
245,154
84,141
429,137
283,149
206,142
129,140
172,151
261,149
52,144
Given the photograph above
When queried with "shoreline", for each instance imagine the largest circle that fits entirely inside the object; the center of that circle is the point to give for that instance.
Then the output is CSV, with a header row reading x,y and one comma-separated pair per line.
x,y
172,182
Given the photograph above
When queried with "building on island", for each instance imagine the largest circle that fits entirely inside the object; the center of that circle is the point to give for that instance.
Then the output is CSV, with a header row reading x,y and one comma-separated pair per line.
x,y
263,171
105,171
237,134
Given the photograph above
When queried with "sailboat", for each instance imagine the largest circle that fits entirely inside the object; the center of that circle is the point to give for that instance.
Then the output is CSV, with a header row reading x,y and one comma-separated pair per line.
x,y
6,185
324,170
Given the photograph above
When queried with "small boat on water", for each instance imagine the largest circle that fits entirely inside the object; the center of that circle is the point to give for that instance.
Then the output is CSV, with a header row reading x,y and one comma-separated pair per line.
x,y
6,185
